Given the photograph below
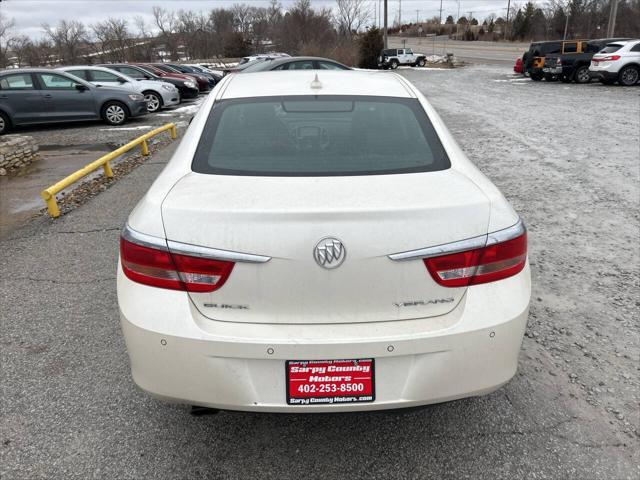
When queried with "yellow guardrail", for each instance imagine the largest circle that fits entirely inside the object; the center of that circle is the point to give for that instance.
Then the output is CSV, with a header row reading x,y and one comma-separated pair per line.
x,y
49,194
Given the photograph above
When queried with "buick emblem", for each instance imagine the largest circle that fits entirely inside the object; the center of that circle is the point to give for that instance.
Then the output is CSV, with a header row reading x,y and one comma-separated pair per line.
x,y
329,253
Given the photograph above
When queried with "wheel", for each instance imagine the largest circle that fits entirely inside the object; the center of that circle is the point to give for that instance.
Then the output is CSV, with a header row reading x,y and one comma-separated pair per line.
x,y
394,64
5,123
536,77
114,113
582,74
628,75
154,101
421,63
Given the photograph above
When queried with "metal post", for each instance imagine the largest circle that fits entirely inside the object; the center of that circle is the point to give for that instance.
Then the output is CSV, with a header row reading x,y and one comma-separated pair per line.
x,y
566,26
611,27
440,12
400,14
386,43
506,25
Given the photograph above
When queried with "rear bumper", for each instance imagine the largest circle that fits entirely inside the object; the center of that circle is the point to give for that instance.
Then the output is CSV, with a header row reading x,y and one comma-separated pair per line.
x,y
603,75
473,350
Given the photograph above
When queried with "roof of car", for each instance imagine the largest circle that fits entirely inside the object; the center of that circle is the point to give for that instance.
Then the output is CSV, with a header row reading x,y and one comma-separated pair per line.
x,y
332,82
270,63
26,70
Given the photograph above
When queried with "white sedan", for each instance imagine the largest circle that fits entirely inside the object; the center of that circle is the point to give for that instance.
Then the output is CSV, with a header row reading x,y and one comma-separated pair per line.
x,y
321,243
157,94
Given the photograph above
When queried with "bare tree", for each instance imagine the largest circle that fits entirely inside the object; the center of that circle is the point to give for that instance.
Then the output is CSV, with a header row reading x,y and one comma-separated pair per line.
x,y
351,16
68,38
114,38
6,31
167,23
20,46
144,44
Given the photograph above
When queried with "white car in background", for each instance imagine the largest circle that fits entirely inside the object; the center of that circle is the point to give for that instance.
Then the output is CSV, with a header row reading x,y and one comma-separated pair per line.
x,y
291,258
617,62
157,94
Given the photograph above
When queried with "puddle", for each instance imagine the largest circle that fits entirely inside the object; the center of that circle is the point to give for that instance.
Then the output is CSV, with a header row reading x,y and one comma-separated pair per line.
x,y
20,194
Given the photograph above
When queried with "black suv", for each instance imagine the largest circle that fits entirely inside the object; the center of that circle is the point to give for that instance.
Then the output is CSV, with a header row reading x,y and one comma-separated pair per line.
x,y
533,60
572,63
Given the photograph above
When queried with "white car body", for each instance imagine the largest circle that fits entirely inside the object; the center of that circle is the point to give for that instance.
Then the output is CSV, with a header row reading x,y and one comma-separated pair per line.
x,y
228,349
157,94
620,63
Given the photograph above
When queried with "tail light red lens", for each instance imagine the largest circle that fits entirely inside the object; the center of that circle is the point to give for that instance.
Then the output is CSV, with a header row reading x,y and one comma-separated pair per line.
x,y
160,268
481,265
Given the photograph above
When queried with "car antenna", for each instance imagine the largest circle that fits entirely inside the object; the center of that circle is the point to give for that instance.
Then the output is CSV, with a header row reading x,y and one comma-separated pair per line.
x,y
316,85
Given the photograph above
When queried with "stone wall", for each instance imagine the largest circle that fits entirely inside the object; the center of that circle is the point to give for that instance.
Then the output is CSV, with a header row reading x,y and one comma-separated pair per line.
x,y
16,152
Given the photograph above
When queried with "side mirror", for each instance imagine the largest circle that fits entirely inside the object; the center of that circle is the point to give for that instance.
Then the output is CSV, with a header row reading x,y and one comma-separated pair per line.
x,y
80,87
121,80
148,77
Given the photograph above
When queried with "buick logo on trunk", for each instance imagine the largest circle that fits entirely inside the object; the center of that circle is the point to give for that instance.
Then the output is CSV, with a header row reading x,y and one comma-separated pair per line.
x,y
329,253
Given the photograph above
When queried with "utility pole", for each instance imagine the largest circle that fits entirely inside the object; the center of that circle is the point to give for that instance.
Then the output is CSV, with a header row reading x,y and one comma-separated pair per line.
x,y
440,12
417,16
506,25
386,44
400,14
611,27
566,25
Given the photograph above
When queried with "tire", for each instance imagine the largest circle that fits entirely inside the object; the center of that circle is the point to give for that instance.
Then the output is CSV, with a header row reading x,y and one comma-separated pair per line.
x,y
581,74
629,76
5,123
154,101
394,64
421,63
114,113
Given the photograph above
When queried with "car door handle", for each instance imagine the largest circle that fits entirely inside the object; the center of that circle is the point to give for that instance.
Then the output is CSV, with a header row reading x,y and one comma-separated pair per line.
x,y
48,95
3,97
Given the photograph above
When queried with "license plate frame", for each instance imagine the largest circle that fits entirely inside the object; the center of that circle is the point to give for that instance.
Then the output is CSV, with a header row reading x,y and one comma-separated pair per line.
x,y
330,391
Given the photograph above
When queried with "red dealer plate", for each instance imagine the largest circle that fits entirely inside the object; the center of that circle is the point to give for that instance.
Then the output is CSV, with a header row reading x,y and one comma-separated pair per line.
x,y
312,382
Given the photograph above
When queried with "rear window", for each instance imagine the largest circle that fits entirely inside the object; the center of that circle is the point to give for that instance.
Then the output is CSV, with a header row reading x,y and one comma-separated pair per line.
x,y
612,47
318,136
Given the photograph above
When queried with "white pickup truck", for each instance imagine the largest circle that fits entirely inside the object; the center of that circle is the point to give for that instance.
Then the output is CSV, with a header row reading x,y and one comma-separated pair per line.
x,y
394,57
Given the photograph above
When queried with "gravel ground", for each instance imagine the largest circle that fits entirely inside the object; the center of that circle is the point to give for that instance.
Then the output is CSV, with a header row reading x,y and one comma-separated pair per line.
x,y
565,155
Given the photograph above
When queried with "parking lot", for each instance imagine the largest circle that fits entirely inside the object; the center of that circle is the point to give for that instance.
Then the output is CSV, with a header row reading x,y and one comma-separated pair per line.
x,y
567,158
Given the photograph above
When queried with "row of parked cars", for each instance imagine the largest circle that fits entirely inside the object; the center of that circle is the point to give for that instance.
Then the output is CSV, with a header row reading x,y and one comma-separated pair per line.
x,y
112,93
116,92
608,60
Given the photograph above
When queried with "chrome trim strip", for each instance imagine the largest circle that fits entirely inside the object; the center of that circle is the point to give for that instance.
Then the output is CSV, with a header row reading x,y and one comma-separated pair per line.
x,y
214,253
437,250
143,239
187,249
507,233
462,245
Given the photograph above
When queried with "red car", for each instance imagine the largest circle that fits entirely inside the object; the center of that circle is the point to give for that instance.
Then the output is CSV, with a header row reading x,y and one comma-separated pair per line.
x,y
518,68
161,73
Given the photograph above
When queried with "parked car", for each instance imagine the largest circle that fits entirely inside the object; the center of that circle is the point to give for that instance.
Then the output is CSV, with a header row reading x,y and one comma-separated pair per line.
x,y
261,56
186,87
187,69
217,76
617,62
157,94
295,63
201,81
534,58
518,66
572,64
394,57
37,95
171,74
325,246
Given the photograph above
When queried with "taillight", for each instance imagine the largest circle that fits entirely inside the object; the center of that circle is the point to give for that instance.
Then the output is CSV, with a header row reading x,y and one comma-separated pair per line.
x,y
158,267
610,58
495,261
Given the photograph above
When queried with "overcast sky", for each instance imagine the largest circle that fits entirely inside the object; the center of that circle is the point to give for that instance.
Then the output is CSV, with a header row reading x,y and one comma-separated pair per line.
x,y
31,14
